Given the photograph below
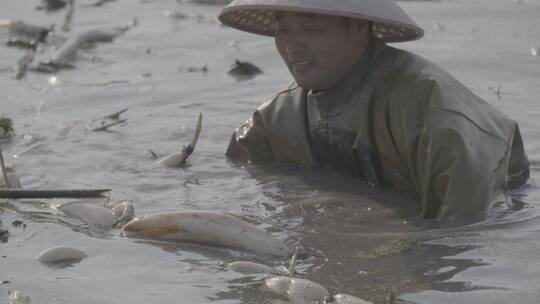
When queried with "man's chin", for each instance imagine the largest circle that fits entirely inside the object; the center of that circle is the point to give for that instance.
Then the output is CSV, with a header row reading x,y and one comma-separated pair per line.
x,y
307,79
309,84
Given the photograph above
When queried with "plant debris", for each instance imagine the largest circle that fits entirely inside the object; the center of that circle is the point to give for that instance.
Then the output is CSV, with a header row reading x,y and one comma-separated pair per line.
x,y
4,234
115,117
66,26
100,3
107,126
243,70
389,248
194,69
4,171
22,34
18,224
6,127
51,5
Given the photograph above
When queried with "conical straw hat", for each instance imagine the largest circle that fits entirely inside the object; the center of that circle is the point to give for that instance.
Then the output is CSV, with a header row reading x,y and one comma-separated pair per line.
x,y
390,22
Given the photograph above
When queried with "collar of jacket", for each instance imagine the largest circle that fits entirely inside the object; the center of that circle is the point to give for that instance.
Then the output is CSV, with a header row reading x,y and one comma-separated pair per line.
x,y
329,100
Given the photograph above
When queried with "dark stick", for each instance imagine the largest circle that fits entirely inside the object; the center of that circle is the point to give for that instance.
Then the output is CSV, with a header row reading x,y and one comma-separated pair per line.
x,y
154,155
69,16
4,172
106,127
101,2
70,193
116,115
23,63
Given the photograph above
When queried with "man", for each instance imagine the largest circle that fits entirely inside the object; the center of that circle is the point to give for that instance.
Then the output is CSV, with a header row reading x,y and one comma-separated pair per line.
x,y
380,114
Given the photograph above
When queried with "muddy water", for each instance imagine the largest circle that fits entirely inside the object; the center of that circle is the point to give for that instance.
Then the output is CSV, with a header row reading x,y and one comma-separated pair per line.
x,y
358,240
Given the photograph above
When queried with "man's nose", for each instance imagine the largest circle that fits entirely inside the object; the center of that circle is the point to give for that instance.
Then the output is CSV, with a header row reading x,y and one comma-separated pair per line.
x,y
296,44
295,48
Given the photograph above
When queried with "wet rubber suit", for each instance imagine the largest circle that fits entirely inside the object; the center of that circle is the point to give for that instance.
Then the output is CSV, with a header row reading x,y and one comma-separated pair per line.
x,y
395,119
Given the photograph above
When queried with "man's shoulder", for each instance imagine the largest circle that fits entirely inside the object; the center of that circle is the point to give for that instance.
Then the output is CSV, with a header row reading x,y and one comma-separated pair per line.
x,y
287,96
401,63
416,79
420,86
287,91
287,104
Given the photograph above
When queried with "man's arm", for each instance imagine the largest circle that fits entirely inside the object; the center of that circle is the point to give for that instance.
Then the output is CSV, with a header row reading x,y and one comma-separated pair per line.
x,y
276,132
467,154
459,167
249,143
438,138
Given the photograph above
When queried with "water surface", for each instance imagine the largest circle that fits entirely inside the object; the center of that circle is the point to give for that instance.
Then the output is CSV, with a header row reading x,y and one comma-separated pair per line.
x,y
359,240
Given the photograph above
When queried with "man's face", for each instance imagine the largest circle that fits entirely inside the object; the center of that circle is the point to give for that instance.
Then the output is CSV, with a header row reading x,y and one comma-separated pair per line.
x,y
319,49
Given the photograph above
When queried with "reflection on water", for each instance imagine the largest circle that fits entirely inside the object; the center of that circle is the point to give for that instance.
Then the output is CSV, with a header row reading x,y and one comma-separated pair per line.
x,y
360,240
377,281
355,239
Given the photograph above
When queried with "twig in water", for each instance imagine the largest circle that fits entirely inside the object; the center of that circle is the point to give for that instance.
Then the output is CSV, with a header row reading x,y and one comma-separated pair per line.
x,y
6,125
116,115
498,92
24,63
69,16
70,193
154,155
51,5
4,171
101,2
105,127
103,84
292,265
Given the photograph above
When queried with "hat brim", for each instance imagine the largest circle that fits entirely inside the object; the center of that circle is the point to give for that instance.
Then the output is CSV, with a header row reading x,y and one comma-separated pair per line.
x,y
261,19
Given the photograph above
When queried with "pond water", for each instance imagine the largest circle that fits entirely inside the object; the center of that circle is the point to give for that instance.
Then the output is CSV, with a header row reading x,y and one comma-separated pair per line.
x,y
358,240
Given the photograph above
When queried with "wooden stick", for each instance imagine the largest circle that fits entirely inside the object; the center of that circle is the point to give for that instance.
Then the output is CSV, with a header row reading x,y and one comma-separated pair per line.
x,y
69,193
154,154
105,127
116,115
101,2
69,16
292,265
24,63
4,171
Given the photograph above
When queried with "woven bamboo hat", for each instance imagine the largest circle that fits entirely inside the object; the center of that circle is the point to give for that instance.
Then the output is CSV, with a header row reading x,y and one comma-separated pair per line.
x,y
390,22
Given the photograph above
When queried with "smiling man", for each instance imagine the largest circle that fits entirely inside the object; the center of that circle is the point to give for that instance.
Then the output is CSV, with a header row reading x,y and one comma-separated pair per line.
x,y
382,115
320,49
